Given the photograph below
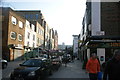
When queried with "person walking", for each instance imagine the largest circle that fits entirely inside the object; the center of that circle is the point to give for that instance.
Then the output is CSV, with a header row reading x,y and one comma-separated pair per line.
x,y
112,68
93,67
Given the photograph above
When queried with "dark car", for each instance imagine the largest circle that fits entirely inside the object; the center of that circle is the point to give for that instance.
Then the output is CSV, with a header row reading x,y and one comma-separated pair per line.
x,y
33,69
3,63
56,62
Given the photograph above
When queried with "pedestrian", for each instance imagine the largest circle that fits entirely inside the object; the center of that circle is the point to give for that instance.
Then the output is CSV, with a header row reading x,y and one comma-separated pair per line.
x,y
93,67
64,60
112,67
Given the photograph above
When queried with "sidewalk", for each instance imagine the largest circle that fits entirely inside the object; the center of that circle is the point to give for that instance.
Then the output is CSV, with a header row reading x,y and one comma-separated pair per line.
x,y
73,70
11,65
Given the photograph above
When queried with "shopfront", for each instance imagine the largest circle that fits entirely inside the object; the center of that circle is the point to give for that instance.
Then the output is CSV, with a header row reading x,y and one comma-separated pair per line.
x,y
104,50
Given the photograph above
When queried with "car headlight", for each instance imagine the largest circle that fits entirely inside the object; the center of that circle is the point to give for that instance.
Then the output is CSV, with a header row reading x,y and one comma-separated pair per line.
x,y
31,73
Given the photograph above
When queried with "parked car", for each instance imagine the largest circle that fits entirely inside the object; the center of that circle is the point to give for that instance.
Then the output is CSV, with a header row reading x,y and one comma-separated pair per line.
x,y
56,62
32,69
3,63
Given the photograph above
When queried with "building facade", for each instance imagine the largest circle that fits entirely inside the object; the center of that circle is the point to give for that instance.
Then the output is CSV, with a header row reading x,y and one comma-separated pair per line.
x,y
30,37
75,45
13,30
39,34
36,15
23,31
56,40
100,32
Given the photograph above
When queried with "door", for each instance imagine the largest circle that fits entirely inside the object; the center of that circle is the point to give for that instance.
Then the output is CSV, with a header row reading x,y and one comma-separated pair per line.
x,y
17,53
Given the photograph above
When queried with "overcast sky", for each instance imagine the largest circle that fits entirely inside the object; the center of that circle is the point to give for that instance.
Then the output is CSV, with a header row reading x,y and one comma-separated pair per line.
x,y
65,16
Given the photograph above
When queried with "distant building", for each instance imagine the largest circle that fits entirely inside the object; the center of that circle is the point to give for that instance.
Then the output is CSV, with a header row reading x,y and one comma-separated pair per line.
x,y
56,40
63,46
47,36
53,39
75,45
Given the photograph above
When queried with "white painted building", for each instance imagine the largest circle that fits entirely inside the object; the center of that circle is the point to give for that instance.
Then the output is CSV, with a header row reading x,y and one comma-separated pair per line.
x,y
30,36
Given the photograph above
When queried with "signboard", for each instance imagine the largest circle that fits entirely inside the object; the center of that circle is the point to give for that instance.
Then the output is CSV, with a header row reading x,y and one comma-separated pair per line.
x,y
100,33
104,45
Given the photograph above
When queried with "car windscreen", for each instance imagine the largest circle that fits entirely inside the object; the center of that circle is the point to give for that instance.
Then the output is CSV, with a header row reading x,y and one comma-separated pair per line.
x,y
32,63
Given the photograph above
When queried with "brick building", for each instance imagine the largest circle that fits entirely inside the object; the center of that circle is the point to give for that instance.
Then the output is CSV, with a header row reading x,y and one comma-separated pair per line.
x,y
13,30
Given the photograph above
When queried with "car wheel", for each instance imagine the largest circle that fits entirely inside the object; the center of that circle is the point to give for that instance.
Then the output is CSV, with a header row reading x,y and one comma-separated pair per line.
x,y
4,65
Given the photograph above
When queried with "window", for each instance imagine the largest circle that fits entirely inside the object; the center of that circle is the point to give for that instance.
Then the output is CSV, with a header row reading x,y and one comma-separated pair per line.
x,y
20,24
26,16
33,27
37,16
13,35
42,33
28,35
33,44
37,40
28,44
31,16
41,41
14,20
19,37
33,37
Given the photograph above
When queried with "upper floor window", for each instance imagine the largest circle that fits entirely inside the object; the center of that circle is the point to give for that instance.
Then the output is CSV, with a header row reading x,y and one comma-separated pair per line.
x,y
28,44
33,37
28,35
13,35
33,44
26,16
42,33
20,24
14,20
37,16
20,37
33,27
37,40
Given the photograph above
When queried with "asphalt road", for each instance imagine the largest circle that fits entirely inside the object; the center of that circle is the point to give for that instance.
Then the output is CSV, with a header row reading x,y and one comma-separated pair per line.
x,y
72,71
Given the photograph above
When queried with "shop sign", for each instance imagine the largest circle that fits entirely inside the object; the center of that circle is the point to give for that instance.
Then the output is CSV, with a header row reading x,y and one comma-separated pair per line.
x,y
104,45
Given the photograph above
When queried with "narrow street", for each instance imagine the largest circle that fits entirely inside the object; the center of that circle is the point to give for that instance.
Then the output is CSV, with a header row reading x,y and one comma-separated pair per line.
x,y
11,65
72,71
